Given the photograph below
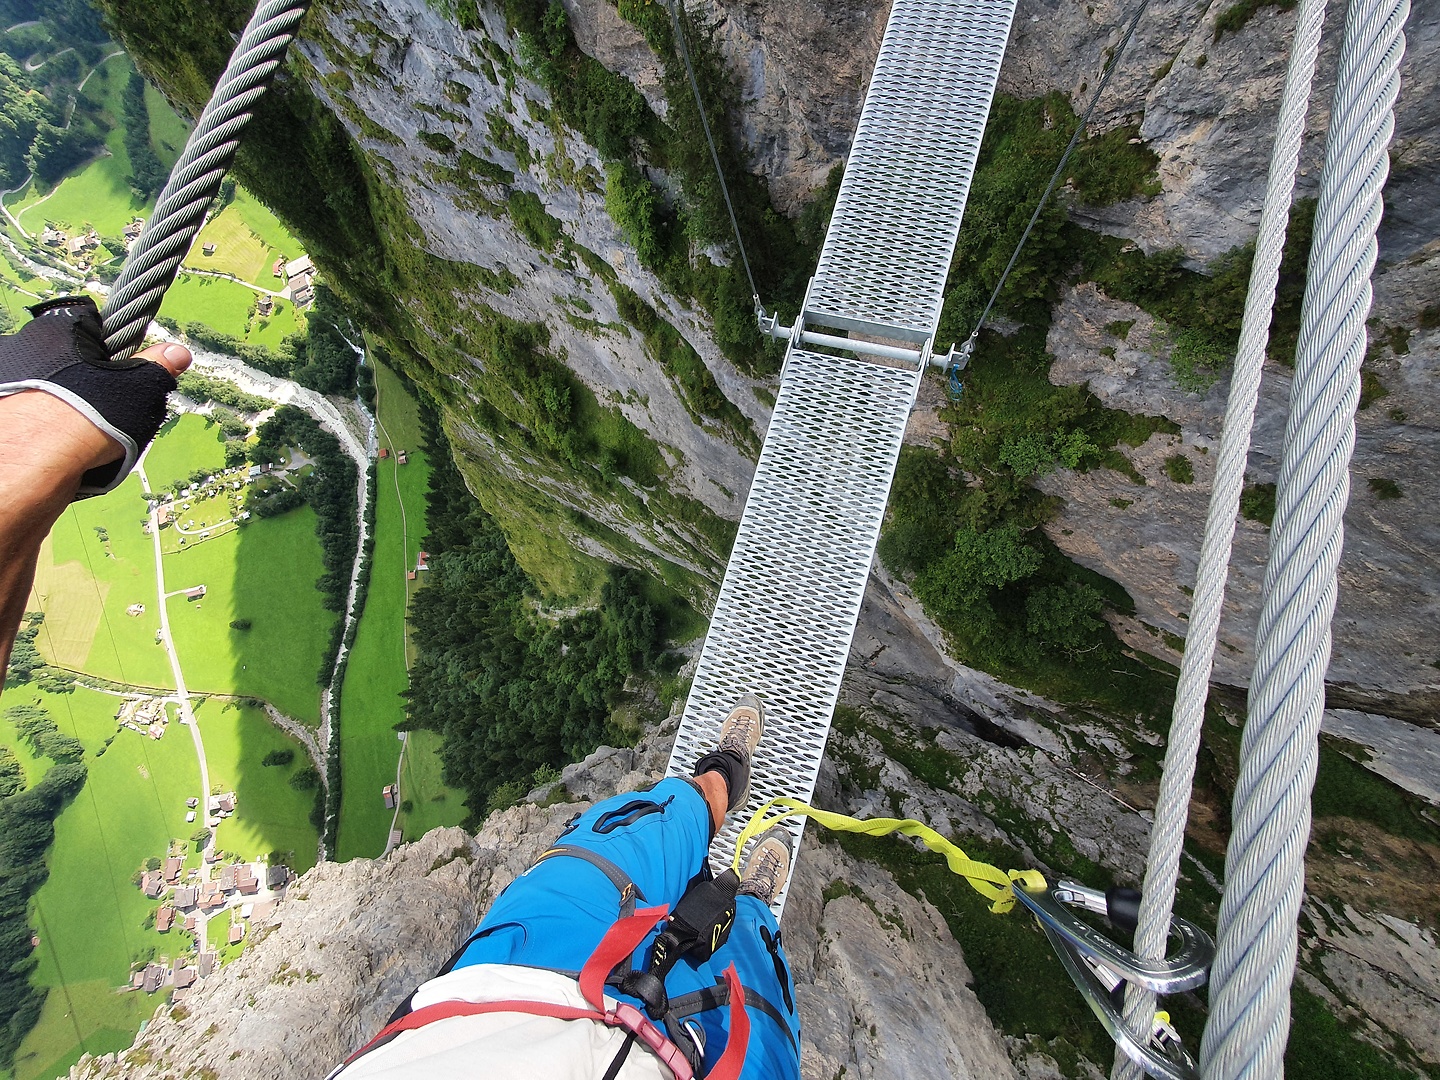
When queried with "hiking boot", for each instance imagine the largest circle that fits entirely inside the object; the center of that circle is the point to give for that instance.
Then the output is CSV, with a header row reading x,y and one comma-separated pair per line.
x,y
739,735
741,731
768,866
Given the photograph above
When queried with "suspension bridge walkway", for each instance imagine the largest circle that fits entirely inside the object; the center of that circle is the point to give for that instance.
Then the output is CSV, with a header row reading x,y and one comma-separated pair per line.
x,y
791,595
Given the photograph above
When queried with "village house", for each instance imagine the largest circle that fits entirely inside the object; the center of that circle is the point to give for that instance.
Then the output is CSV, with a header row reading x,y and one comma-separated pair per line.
x,y
237,931
227,879
206,963
173,866
191,922
184,978
302,265
265,306
152,884
226,803
383,453
192,802
302,290
52,237
423,563
164,919
277,877
401,457
154,978
135,610
186,896
277,269
133,230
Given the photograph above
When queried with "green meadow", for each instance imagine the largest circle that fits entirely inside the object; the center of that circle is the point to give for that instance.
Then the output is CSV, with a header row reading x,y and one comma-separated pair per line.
x,y
377,673
271,814
265,573
86,580
188,442
225,306
248,239
98,194
89,915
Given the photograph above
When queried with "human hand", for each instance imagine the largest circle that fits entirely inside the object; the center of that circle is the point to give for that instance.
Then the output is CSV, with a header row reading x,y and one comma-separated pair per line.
x,y
69,421
89,410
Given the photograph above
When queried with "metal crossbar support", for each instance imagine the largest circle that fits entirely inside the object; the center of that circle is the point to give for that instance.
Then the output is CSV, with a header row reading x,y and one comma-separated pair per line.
x,y
786,614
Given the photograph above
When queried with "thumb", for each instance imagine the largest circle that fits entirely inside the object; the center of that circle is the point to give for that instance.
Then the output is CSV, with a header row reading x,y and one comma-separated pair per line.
x,y
173,358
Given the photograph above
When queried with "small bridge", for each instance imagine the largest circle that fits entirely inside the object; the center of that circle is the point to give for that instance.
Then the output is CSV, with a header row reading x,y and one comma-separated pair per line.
x,y
786,613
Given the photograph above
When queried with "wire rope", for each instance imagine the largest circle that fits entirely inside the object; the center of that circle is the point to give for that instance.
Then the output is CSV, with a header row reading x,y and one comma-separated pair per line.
x,y
151,265
1105,77
1249,1019
675,6
1167,835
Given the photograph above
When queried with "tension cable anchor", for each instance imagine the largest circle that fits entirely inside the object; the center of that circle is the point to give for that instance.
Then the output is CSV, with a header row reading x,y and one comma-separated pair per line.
x,y
1100,968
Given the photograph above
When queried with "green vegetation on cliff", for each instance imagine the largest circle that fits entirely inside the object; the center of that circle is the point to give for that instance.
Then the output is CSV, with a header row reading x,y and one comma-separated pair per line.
x,y
513,690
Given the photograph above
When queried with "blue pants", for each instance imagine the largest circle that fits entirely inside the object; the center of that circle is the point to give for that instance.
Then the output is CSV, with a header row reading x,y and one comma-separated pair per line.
x,y
555,914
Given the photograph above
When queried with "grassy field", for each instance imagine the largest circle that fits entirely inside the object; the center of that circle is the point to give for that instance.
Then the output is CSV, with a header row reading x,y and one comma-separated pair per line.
x,y
225,306
88,914
271,815
376,674
248,239
186,443
84,584
266,573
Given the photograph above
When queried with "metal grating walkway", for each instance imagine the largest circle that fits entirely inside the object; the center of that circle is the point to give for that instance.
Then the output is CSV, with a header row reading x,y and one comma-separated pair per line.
x,y
786,613
891,239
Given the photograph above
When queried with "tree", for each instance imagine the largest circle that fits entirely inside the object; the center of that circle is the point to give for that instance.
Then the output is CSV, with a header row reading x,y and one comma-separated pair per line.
x,y
1065,616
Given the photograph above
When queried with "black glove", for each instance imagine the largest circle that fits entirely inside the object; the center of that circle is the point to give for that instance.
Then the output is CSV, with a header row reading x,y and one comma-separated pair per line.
x,y
62,351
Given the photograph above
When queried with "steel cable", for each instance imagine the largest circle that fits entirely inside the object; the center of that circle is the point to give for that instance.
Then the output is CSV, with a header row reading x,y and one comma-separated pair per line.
x,y
1105,77
152,263
1167,836
714,153
1249,1018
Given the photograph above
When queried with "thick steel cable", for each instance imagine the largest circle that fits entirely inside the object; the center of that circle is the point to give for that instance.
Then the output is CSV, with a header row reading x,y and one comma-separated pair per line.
x,y
1105,77
1172,807
714,153
1249,1019
151,266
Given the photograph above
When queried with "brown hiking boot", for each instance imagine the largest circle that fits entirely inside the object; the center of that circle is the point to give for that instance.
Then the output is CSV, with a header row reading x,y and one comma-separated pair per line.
x,y
741,731
739,735
768,866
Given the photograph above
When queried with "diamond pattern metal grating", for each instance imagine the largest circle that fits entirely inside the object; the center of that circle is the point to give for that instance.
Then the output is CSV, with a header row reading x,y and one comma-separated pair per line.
x,y
787,608
893,232
786,613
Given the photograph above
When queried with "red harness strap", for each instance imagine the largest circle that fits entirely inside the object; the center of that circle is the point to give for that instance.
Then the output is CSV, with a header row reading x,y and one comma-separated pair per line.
x,y
619,942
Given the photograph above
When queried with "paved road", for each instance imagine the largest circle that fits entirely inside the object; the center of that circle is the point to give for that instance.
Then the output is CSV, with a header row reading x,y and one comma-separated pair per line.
x,y
182,694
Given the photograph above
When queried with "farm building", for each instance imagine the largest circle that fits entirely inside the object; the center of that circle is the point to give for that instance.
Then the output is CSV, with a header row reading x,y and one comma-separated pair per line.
x,y
302,265
208,248
388,794
197,593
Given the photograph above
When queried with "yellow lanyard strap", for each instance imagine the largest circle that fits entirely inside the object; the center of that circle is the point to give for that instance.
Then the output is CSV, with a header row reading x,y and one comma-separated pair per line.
x,y
989,881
